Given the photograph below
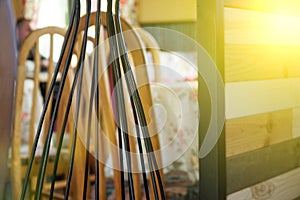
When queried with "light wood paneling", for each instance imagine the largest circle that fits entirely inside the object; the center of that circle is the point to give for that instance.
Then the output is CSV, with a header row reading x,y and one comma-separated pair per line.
x,y
288,7
260,45
285,186
250,168
296,122
156,11
257,97
257,131
262,70
261,62
251,27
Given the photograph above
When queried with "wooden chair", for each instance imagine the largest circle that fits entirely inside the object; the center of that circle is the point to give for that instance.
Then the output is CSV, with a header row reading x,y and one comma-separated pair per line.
x,y
136,49
54,37
137,54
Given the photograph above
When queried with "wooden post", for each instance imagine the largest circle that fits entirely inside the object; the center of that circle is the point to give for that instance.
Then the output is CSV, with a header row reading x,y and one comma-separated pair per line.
x,y
210,34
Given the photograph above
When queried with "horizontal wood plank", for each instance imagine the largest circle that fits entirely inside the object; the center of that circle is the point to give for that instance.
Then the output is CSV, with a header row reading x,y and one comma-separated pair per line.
x,y
258,131
285,186
252,27
261,62
253,167
288,7
156,11
296,122
257,97
259,46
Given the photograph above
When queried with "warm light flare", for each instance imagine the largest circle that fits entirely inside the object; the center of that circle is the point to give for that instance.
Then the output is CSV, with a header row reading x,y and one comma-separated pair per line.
x,y
283,28
254,27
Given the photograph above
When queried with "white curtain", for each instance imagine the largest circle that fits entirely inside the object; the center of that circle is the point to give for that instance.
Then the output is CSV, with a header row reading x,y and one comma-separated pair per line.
x,y
52,13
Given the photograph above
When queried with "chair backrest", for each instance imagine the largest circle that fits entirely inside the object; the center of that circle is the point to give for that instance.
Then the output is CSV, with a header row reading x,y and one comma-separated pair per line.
x,y
136,51
34,75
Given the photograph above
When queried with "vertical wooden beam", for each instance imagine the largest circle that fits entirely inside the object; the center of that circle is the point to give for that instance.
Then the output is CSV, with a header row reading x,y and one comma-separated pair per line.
x,y
210,34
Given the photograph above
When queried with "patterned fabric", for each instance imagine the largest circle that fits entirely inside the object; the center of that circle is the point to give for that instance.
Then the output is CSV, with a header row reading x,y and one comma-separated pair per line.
x,y
177,116
128,11
31,11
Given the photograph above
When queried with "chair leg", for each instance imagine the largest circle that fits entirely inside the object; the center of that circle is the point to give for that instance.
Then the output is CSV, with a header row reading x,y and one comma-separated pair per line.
x,y
76,190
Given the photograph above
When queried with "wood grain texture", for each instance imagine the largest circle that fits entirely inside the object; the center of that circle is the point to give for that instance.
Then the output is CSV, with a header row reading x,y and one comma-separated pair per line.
x,y
252,27
257,97
285,186
136,49
257,131
250,168
17,167
262,45
288,7
261,62
296,122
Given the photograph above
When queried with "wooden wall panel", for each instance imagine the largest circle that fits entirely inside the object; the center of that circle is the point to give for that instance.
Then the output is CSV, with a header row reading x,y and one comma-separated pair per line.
x,y
258,131
251,27
253,167
261,62
256,97
288,7
296,122
285,186
262,88
262,70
